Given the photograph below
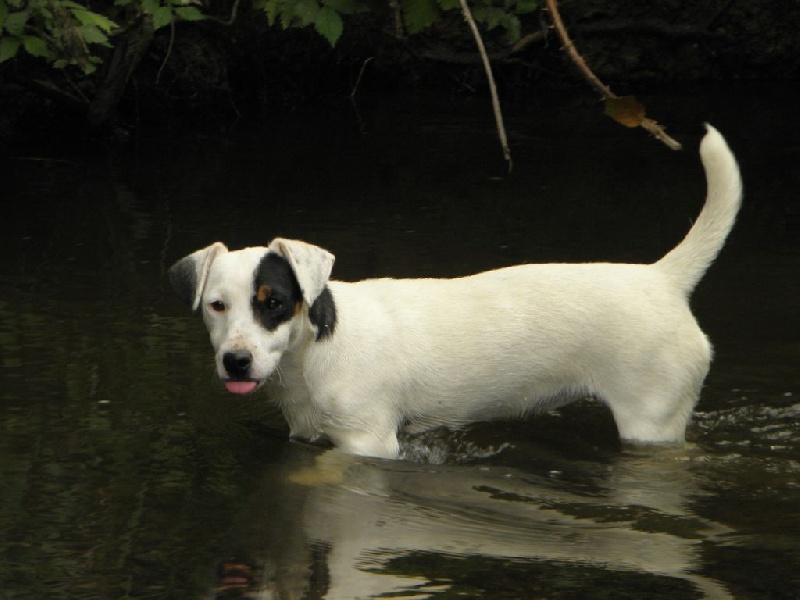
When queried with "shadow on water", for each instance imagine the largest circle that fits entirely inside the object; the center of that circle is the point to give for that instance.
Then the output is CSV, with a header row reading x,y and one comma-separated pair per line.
x,y
128,472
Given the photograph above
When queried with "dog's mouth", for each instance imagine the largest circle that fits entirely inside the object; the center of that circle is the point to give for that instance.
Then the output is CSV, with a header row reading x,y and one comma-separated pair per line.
x,y
241,386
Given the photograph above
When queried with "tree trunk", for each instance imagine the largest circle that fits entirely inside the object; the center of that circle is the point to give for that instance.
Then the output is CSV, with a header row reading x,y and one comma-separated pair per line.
x,y
128,52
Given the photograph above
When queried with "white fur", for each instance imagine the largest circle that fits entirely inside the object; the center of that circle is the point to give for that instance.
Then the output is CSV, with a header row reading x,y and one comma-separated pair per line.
x,y
418,353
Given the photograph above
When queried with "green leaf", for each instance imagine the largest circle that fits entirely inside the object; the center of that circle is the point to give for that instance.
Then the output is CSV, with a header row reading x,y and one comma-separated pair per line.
x,y
329,24
92,35
150,6
36,46
3,13
272,8
15,22
306,12
419,14
8,47
527,6
513,27
162,17
490,16
87,17
189,13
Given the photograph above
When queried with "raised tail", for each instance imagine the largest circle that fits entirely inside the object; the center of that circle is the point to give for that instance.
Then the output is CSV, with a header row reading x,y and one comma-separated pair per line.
x,y
688,261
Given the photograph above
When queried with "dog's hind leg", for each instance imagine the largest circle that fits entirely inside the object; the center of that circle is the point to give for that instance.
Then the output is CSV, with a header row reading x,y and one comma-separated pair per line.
x,y
654,391
655,405
653,416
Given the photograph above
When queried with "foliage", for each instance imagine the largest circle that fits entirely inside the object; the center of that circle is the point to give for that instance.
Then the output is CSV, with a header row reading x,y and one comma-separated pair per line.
x,y
417,15
168,12
326,17
76,37
65,32
492,14
59,31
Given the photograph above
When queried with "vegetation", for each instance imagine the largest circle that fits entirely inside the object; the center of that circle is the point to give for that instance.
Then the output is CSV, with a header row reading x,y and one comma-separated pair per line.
x,y
93,49
64,32
83,54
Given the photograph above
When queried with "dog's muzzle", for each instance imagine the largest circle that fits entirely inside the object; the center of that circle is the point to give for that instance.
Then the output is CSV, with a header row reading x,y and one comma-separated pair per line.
x,y
237,365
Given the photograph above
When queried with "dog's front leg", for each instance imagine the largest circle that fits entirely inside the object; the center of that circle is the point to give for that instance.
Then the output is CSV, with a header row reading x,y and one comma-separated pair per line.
x,y
375,442
303,423
302,416
358,417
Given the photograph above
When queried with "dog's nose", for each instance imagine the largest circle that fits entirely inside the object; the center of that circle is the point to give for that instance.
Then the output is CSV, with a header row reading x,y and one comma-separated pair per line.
x,y
237,363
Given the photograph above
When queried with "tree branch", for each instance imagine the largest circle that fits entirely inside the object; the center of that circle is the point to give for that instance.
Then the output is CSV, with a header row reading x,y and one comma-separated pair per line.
x,y
50,90
128,52
498,114
648,124
231,19
169,51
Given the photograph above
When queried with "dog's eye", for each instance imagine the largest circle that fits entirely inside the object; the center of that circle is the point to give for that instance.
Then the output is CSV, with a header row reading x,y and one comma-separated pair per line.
x,y
217,306
273,304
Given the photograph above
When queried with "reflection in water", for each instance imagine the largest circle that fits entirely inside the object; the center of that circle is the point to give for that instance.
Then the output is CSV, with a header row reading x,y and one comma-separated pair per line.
x,y
380,528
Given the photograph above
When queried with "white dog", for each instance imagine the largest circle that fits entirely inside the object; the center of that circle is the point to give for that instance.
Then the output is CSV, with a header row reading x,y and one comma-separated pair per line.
x,y
358,362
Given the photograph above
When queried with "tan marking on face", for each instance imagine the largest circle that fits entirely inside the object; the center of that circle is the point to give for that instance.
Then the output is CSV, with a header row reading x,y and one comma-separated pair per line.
x,y
264,292
297,308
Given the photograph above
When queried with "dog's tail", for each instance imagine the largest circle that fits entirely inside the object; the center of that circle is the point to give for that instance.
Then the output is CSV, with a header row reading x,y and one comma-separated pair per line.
x,y
688,261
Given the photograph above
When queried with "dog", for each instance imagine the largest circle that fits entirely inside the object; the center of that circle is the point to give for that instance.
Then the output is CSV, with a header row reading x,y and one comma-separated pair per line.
x,y
358,362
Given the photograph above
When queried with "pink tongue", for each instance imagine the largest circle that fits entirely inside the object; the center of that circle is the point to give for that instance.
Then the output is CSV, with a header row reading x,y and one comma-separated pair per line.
x,y
240,387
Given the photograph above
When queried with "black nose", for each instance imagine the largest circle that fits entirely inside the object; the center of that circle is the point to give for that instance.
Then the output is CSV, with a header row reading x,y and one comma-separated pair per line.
x,y
237,363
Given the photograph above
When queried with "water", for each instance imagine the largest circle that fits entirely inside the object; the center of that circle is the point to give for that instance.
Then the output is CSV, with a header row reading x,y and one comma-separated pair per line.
x,y
127,471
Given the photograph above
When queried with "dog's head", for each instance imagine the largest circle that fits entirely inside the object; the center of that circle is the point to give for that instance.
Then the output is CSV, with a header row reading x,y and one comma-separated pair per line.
x,y
256,303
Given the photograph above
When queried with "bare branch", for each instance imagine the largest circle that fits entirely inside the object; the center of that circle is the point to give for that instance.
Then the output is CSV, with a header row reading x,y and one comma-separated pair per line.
x,y
360,75
572,52
526,40
498,114
169,51
648,124
231,19
75,101
658,132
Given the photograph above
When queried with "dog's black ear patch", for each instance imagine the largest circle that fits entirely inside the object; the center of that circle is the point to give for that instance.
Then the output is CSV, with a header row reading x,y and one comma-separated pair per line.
x,y
276,292
277,297
183,278
323,314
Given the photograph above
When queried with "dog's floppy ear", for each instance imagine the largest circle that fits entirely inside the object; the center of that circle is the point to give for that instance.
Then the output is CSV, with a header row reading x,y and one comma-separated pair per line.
x,y
188,276
311,265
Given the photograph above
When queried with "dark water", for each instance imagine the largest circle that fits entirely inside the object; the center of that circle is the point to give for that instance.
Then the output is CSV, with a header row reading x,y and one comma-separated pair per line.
x,y
127,471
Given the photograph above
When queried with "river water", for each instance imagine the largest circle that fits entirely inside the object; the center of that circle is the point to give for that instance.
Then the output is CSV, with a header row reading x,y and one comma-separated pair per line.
x,y
128,471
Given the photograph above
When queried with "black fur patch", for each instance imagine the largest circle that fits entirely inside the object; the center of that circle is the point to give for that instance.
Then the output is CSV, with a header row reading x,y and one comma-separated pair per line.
x,y
278,304
323,314
277,295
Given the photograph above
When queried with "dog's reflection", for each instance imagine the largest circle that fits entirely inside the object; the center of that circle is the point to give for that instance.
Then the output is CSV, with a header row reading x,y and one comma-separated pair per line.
x,y
328,525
